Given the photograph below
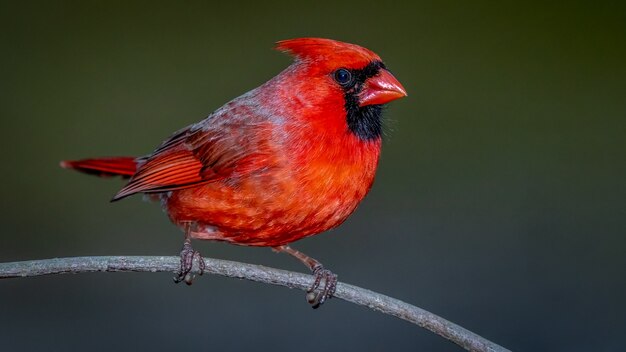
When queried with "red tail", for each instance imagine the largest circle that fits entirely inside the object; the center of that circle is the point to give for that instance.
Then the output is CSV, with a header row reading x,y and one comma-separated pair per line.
x,y
124,166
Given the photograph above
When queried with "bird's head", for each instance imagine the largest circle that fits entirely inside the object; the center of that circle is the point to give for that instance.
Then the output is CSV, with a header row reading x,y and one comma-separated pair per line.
x,y
345,73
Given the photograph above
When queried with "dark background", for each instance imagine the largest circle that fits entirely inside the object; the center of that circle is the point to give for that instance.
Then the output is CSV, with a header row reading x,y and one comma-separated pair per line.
x,y
499,201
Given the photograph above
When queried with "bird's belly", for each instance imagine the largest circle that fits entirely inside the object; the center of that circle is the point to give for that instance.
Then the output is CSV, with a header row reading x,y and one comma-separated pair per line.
x,y
261,212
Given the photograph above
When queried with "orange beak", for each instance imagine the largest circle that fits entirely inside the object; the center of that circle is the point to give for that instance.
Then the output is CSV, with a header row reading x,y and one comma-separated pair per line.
x,y
381,89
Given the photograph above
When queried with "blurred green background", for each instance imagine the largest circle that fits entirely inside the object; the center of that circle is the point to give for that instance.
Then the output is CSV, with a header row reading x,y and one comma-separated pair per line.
x,y
499,201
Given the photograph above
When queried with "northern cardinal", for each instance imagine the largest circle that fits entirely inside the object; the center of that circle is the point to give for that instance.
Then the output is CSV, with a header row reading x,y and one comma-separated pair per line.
x,y
289,159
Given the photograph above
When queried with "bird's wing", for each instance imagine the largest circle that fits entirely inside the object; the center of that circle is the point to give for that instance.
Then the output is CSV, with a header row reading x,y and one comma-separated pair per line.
x,y
205,152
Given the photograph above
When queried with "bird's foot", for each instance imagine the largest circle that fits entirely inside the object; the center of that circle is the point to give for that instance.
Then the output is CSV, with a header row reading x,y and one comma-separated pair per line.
x,y
315,296
187,257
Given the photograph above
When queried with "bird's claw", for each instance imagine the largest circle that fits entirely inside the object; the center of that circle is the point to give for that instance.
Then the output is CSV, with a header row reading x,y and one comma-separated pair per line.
x,y
317,297
187,257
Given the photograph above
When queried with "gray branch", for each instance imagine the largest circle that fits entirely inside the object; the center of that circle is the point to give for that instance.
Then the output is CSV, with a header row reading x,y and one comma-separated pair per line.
x,y
376,301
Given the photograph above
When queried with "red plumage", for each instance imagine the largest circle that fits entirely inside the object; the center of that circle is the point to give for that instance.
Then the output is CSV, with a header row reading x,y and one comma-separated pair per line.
x,y
124,166
289,159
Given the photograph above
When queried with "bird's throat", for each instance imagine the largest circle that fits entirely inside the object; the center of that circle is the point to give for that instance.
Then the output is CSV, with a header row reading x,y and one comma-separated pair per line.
x,y
364,122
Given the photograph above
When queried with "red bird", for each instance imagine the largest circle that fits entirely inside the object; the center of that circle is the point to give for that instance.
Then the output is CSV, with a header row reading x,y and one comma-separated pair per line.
x,y
289,159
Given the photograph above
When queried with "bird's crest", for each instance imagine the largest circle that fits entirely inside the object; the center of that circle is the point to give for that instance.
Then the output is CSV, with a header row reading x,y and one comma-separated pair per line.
x,y
316,49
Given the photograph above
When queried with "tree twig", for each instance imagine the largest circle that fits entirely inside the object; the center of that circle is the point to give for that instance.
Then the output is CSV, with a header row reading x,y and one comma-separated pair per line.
x,y
376,301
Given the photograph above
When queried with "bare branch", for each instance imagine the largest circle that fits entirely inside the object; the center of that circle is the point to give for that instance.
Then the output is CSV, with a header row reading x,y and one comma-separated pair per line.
x,y
376,301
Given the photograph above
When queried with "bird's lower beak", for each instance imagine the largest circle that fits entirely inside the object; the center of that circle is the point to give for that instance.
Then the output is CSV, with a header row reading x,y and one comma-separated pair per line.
x,y
381,89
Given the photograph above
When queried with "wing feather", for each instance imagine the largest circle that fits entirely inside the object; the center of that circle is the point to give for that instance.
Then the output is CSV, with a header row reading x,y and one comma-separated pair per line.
x,y
201,153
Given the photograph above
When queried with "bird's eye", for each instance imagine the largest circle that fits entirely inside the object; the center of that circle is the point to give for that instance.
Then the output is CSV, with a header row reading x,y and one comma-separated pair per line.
x,y
343,76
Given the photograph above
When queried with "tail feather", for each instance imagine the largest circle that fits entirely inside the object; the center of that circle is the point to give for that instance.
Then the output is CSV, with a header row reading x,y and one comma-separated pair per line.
x,y
105,167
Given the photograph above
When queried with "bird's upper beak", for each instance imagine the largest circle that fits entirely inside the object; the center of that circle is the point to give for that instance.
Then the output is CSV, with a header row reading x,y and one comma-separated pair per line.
x,y
381,89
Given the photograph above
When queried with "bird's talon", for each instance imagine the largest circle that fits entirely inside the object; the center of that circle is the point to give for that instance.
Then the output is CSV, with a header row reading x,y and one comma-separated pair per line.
x,y
317,297
189,278
201,263
187,256
311,297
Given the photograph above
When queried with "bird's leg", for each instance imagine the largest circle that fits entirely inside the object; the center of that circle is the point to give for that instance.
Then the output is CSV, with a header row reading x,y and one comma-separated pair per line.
x,y
187,257
314,297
